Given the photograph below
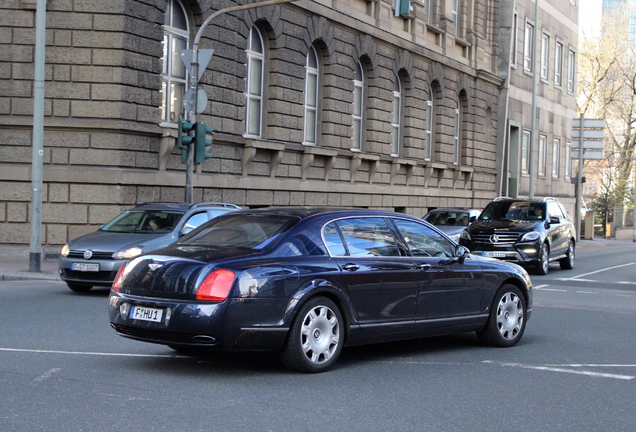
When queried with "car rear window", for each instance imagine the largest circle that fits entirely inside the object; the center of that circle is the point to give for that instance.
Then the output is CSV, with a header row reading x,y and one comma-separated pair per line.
x,y
244,230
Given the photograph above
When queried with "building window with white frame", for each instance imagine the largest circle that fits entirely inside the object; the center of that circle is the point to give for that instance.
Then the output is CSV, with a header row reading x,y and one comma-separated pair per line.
x,y
525,145
458,132
556,157
513,45
358,106
543,144
396,121
558,64
568,159
571,71
430,118
254,88
173,75
528,48
311,97
454,7
545,56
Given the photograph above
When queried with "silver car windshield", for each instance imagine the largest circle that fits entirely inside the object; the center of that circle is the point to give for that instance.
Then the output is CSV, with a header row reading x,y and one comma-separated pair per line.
x,y
144,221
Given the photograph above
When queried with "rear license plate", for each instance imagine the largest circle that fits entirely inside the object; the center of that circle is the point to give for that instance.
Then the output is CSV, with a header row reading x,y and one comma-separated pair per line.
x,y
84,267
495,254
146,314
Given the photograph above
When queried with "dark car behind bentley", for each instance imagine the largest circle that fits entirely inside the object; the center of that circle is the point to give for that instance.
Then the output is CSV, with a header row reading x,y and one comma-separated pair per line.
x,y
308,281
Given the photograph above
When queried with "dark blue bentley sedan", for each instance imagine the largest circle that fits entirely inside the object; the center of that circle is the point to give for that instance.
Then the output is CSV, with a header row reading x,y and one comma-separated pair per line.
x,y
307,281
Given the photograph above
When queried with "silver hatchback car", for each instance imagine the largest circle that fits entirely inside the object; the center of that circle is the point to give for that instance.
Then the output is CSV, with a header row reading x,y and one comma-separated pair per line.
x,y
94,259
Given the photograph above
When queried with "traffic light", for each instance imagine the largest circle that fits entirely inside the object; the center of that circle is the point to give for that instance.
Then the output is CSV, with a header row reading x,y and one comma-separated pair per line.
x,y
201,142
183,139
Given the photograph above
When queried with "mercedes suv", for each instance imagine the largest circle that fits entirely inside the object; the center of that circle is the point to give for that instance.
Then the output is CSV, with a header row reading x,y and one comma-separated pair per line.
x,y
531,233
94,259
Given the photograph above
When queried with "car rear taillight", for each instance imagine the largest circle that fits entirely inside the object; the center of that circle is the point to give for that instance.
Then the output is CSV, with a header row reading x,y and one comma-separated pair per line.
x,y
118,279
216,286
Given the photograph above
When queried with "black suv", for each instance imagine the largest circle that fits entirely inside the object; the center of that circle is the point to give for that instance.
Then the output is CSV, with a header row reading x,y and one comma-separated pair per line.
x,y
531,233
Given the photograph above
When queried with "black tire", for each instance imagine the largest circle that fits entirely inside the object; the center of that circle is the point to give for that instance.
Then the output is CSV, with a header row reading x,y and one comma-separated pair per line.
x,y
316,337
507,320
79,288
544,260
567,263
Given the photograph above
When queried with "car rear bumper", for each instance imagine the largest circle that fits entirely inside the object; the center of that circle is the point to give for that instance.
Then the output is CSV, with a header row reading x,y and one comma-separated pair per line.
x,y
234,324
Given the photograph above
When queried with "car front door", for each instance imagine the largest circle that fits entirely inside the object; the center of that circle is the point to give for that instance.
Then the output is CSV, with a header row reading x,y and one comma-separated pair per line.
x,y
448,287
558,232
380,279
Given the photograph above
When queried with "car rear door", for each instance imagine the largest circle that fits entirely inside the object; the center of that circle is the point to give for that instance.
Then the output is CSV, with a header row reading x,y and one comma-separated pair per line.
x,y
380,279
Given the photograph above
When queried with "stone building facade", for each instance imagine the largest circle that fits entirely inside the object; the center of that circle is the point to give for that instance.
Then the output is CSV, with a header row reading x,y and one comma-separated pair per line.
x,y
387,104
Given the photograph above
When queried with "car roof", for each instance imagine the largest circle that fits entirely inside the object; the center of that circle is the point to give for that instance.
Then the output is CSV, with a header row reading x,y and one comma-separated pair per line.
x,y
453,210
183,206
535,200
308,211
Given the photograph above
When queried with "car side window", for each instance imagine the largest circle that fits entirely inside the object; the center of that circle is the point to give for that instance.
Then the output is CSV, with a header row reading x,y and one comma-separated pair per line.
x,y
333,241
555,210
302,245
368,237
423,241
195,220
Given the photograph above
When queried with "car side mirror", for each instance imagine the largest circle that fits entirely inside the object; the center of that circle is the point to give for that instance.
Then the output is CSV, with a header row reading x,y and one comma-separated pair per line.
x,y
461,253
554,220
185,230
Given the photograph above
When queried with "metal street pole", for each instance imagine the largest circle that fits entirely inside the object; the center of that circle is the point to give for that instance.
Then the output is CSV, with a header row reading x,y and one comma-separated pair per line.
x,y
579,177
37,161
190,115
533,125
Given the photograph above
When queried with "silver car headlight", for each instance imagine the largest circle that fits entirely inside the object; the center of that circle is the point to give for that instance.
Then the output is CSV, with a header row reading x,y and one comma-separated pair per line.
x,y
128,253
65,250
531,236
455,238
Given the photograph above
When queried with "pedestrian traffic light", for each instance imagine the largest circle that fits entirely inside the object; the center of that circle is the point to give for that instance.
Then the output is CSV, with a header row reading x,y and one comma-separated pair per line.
x,y
201,142
183,139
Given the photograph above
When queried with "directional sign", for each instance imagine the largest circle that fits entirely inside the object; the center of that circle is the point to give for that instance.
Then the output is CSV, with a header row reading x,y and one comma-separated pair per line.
x,y
589,123
588,154
592,145
589,133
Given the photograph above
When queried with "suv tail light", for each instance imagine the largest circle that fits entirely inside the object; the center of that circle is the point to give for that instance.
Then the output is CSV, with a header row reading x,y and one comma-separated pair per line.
x,y
216,286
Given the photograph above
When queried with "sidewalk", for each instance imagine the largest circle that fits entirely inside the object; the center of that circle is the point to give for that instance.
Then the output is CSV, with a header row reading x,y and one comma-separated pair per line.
x,y
19,269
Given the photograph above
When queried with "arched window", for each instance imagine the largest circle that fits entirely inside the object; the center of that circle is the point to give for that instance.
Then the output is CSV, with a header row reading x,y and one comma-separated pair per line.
x,y
254,88
458,132
358,106
311,97
430,118
396,121
173,74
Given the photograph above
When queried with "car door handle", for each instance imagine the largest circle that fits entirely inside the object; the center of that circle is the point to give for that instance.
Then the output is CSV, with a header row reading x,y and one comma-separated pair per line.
x,y
350,267
423,266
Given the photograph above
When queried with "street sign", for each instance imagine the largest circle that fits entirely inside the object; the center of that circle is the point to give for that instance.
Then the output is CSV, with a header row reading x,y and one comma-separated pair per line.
x,y
592,145
202,100
187,57
589,133
588,154
589,123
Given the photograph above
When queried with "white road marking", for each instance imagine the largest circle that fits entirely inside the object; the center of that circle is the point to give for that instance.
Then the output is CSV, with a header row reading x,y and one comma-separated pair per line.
x,y
554,289
597,271
45,375
540,286
562,370
91,353
587,292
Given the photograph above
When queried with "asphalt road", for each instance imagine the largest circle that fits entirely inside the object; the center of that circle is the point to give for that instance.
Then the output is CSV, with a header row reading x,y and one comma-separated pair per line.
x,y
63,369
